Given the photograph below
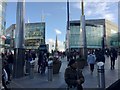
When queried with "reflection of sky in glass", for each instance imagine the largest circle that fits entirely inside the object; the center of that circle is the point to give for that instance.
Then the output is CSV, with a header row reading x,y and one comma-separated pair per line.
x,y
94,35
113,31
34,30
34,34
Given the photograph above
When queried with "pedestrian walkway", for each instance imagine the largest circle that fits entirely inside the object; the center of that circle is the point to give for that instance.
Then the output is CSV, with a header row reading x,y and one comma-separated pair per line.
x,y
40,81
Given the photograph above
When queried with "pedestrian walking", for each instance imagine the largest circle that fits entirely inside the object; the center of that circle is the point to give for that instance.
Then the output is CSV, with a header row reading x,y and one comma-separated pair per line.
x,y
91,61
6,65
73,77
44,64
99,54
4,79
5,75
40,59
33,55
68,56
10,61
113,57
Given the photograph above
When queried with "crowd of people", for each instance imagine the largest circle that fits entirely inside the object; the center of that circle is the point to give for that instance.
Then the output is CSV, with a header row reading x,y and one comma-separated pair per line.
x,y
30,55
72,77
7,68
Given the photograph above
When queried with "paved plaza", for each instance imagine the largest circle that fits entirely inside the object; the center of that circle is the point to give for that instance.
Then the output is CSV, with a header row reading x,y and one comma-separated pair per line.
x,y
41,81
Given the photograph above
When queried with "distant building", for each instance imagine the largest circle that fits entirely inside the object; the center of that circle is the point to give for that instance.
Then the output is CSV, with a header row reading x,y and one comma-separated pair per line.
x,y
119,16
115,40
34,34
3,5
96,29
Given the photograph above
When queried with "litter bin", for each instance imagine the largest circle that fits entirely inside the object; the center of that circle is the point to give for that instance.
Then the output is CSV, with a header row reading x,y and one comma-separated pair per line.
x,y
32,64
50,70
101,75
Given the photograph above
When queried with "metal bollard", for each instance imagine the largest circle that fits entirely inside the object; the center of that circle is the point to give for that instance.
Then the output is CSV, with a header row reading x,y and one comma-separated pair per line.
x,y
50,70
31,69
101,75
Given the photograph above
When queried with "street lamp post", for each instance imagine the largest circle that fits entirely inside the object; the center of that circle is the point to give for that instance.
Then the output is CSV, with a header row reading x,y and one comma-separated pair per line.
x,y
18,67
56,44
84,51
68,28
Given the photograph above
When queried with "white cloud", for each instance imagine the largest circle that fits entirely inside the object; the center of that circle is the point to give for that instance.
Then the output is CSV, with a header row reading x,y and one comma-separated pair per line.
x,y
51,43
109,16
98,10
78,5
104,11
89,13
58,31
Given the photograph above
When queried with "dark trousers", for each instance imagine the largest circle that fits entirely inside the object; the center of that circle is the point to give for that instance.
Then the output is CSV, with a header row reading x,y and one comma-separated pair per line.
x,y
68,58
4,83
43,68
78,87
92,67
8,72
112,64
39,67
28,67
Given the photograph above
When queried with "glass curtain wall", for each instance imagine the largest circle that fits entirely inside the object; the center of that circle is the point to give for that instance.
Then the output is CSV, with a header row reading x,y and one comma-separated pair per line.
x,y
34,35
114,40
94,34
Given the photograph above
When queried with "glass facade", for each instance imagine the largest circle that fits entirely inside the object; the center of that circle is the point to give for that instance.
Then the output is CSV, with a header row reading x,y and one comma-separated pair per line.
x,y
94,34
75,36
114,40
2,19
34,35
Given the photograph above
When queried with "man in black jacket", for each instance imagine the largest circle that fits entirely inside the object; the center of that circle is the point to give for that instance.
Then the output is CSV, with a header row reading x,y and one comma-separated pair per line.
x,y
113,57
10,61
73,77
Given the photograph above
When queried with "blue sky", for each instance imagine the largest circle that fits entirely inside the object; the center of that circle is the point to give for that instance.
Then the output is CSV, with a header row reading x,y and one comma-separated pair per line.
x,y
55,15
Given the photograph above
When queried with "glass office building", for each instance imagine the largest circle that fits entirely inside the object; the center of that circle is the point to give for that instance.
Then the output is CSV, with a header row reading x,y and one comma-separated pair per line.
x,y
93,34
115,40
34,34
2,20
95,31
